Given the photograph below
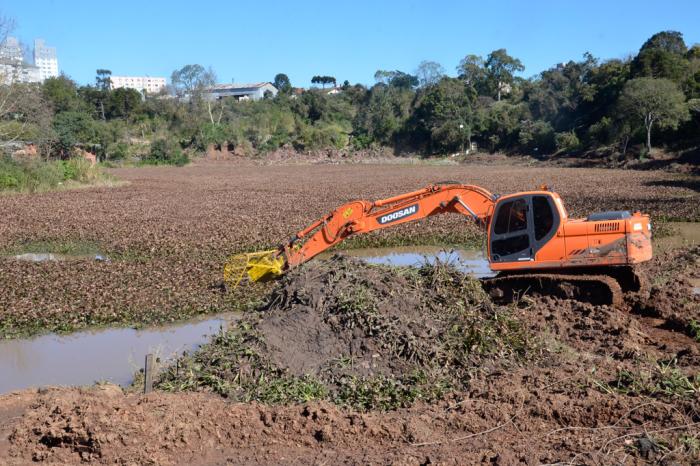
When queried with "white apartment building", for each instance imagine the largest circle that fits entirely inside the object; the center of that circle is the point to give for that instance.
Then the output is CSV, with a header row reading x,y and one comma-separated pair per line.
x,y
149,84
11,51
19,73
45,59
14,68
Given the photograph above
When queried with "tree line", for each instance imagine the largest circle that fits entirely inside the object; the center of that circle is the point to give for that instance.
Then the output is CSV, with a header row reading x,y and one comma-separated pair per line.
x,y
622,106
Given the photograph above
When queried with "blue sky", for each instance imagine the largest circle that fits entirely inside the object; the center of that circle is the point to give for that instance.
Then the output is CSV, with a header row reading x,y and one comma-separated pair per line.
x,y
253,40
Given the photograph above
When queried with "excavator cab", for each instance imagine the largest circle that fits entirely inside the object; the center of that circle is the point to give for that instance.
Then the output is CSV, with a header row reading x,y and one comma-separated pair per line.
x,y
532,230
522,225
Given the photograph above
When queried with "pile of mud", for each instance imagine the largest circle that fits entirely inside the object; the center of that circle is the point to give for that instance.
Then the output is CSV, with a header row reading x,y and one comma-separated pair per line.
x,y
360,335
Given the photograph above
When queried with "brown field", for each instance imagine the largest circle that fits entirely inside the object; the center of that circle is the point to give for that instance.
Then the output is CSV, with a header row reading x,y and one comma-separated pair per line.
x,y
543,381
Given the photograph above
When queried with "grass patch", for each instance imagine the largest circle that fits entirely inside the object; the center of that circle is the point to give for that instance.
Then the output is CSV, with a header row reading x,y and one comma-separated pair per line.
x,y
664,378
31,176
694,330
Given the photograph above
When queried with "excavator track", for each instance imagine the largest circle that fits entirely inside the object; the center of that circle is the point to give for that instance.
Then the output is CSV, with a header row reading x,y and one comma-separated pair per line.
x,y
595,289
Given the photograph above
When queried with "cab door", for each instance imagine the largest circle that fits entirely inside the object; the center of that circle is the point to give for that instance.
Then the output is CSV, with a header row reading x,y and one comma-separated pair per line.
x,y
523,227
512,236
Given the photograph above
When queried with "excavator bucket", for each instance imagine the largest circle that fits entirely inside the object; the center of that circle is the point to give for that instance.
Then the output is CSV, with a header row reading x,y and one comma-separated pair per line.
x,y
258,266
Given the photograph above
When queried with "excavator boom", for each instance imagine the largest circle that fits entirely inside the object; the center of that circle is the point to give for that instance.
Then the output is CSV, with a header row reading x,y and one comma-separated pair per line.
x,y
359,217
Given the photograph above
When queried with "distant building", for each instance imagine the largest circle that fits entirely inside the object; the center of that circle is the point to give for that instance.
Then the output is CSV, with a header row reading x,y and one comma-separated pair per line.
x,y
11,51
19,73
149,84
45,59
14,68
253,91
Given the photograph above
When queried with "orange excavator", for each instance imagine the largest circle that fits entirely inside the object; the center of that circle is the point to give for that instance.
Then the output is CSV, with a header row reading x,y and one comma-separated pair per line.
x,y
532,244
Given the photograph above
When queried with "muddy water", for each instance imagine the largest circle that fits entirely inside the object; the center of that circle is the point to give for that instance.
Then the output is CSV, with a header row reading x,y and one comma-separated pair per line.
x,y
102,355
683,234
470,261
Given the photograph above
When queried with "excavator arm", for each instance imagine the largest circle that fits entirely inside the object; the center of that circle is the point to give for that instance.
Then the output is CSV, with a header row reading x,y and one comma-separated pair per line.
x,y
358,217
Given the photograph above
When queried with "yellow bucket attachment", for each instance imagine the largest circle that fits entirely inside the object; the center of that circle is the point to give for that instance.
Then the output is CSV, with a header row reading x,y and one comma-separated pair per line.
x,y
262,265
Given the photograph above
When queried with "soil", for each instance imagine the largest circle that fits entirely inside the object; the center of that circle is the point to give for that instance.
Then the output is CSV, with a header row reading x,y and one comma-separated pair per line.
x,y
599,385
169,229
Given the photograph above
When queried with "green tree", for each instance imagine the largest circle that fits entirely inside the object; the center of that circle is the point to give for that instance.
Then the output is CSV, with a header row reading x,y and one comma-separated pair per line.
x,y
500,68
653,102
103,79
192,80
62,93
557,96
323,80
384,114
396,79
429,73
663,55
123,103
74,128
668,41
282,83
472,70
25,114
445,114
103,84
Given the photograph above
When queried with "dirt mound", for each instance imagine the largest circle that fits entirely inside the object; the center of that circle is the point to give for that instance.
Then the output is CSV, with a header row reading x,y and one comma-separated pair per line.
x,y
360,335
527,416
674,277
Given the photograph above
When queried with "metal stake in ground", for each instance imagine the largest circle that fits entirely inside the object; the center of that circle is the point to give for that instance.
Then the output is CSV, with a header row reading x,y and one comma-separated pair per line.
x,y
148,374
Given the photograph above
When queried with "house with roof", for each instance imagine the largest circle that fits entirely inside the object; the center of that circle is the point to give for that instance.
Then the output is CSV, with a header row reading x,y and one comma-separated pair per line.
x,y
252,91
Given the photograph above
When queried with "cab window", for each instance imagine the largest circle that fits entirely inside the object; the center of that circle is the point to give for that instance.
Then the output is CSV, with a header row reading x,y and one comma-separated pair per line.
x,y
543,216
512,216
510,245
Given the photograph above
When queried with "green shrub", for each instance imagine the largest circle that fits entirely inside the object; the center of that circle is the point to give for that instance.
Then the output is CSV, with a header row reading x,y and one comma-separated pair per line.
x,y
322,136
166,152
44,176
566,142
118,151
536,136
11,174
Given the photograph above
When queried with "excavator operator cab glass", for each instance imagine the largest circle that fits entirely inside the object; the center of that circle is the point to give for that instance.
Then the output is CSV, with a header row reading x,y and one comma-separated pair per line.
x,y
521,226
